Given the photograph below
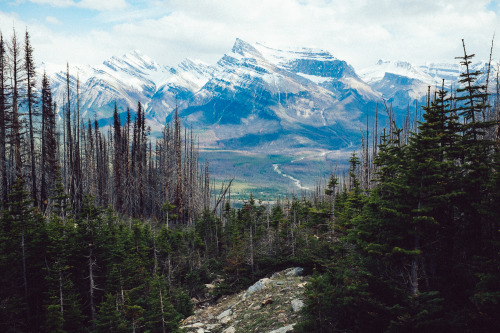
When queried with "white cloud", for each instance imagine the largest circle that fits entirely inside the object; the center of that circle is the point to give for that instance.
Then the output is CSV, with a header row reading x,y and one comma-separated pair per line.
x,y
358,31
54,3
101,5
56,46
53,20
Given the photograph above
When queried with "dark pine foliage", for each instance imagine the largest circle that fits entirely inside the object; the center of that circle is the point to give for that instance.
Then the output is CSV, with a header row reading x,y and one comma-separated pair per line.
x,y
420,251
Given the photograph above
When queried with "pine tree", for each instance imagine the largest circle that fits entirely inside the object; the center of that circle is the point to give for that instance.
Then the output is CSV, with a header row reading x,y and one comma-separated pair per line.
x,y
431,184
61,205
23,232
160,315
49,163
118,160
472,229
29,69
485,296
474,96
3,124
331,191
63,306
355,198
15,57
109,318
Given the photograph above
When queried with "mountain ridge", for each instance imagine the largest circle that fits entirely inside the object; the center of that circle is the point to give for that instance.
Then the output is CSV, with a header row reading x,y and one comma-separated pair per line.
x,y
302,110
255,90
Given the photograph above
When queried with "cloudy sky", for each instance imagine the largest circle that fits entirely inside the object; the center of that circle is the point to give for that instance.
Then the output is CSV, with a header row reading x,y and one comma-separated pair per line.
x,y
358,31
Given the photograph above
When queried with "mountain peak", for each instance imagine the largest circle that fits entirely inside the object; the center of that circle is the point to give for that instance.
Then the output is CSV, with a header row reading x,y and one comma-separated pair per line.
x,y
193,62
135,61
138,59
243,48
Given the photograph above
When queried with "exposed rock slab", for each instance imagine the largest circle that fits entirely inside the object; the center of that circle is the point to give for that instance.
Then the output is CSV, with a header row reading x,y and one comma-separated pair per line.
x,y
285,329
251,310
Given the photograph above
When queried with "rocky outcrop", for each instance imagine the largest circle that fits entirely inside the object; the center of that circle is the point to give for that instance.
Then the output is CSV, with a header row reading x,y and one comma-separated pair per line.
x,y
286,329
296,271
270,305
259,285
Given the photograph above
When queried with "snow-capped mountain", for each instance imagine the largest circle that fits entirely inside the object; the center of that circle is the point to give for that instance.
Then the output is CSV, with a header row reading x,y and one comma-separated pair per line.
x,y
128,80
377,72
294,98
255,97
398,82
401,82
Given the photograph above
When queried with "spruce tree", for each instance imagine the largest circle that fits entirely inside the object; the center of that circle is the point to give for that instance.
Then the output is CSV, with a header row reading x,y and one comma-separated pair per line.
x,y
63,306
109,318
23,233
431,178
16,130
118,160
49,163
472,229
3,124
29,70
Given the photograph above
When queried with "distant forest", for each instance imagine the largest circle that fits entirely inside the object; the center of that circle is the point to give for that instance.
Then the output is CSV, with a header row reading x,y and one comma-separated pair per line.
x,y
116,231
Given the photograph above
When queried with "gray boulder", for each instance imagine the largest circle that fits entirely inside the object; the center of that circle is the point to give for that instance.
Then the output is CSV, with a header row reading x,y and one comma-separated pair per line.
x,y
256,287
285,329
297,305
259,285
296,271
224,314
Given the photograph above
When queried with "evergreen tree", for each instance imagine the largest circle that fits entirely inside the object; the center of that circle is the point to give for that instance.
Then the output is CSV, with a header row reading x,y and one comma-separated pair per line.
x,y
160,315
49,164
29,69
109,318
16,131
118,160
61,294
3,120
22,261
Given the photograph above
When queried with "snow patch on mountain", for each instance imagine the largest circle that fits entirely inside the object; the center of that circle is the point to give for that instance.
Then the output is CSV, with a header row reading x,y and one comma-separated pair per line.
x,y
314,78
377,72
282,57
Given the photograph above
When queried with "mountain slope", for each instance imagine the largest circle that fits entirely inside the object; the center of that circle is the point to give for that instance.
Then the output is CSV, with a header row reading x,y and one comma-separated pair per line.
x,y
289,99
254,98
258,101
